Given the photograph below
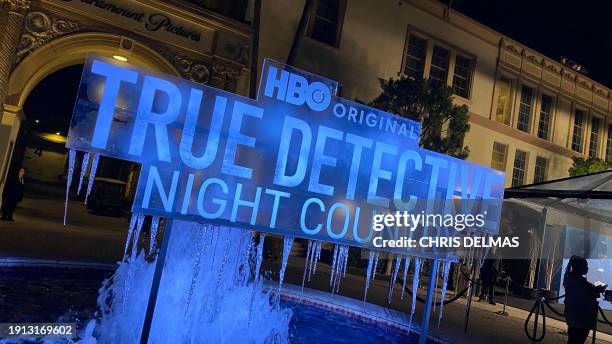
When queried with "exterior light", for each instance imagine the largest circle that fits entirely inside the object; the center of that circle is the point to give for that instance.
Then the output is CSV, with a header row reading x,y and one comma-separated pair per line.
x,y
58,133
36,121
120,58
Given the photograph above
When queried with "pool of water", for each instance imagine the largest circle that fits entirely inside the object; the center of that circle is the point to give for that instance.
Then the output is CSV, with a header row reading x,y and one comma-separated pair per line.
x,y
310,324
50,294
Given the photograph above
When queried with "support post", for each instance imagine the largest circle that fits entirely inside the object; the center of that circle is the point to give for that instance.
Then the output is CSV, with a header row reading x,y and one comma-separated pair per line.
x,y
159,267
428,302
503,312
469,298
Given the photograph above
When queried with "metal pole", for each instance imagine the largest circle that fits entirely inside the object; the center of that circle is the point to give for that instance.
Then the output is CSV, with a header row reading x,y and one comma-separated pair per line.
x,y
503,312
469,298
159,266
535,323
595,326
428,303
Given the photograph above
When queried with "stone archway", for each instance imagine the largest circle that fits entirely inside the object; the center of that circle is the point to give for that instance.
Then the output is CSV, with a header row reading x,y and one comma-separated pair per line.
x,y
72,49
54,55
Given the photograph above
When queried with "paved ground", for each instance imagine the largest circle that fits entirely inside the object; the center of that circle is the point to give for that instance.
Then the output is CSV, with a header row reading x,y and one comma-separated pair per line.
x,y
38,233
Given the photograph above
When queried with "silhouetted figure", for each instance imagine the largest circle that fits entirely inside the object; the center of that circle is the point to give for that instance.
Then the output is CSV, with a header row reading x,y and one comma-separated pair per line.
x,y
580,300
13,194
488,276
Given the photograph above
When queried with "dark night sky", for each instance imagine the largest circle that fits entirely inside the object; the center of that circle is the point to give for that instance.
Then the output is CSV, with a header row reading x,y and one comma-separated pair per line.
x,y
52,100
578,30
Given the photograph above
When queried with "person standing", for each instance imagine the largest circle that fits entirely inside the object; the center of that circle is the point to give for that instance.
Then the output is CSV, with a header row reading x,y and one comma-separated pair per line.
x,y
12,195
488,276
580,300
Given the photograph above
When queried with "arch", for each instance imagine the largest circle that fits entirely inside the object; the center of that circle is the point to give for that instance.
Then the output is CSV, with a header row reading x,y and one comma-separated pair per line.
x,y
70,50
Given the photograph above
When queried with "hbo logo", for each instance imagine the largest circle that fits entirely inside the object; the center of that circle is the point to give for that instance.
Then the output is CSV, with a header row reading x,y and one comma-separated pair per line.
x,y
294,89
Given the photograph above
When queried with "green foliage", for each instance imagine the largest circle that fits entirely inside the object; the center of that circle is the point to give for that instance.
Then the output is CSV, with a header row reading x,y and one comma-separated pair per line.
x,y
588,166
444,124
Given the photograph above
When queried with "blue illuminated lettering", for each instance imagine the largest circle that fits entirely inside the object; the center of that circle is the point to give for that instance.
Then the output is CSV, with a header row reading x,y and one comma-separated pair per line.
x,y
321,159
236,138
330,216
114,76
240,202
379,173
280,172
145,116
191,121
220,202
360,143
277,195
303,227
401,178
167,199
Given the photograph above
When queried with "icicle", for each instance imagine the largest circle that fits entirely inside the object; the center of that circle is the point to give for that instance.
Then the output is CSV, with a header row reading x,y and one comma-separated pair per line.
x,y
132,263
317,257
340,266
214,239
92,175
308,253
262,238
287,243
406,266
84,165
415,286
333,266
368,274
398,262
133,222
348,249
445,271
71,158
375,265
203,230
313,257
153,238
226,249
435,284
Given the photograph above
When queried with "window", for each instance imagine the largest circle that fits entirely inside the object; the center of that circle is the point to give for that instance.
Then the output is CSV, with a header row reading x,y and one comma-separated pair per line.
x,y
541,165
578,131
439,64
594,139
462,77
498,159
415,57
609,145
544,122
504,101
524,117
520,167
326,22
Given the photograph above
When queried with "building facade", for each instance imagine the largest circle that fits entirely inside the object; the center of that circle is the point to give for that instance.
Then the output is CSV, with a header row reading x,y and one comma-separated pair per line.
x,y
528,113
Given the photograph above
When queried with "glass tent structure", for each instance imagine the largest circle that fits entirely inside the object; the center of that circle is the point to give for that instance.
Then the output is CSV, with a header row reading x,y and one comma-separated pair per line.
x,y
555,220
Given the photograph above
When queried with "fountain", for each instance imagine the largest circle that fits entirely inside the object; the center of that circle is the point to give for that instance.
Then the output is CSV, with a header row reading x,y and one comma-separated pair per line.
x,y
217,309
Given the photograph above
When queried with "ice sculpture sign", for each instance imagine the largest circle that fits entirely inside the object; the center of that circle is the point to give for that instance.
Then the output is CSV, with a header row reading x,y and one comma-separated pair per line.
x,y
297,161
